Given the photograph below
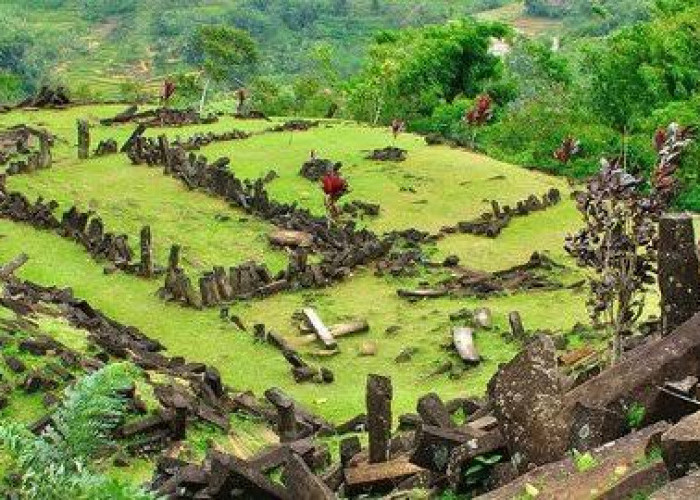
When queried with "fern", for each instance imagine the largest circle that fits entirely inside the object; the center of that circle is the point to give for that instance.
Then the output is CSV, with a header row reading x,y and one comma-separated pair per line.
x,y
56,464
90,410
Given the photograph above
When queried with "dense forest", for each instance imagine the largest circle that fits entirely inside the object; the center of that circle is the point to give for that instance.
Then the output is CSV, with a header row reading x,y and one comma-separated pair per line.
x,y
608,76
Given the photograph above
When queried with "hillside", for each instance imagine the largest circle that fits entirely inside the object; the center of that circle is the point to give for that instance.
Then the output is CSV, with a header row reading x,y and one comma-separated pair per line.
x,y
355,249
110,50
446,186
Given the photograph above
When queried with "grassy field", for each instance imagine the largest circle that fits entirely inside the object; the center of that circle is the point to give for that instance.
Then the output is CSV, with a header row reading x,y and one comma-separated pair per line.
x,y
451,185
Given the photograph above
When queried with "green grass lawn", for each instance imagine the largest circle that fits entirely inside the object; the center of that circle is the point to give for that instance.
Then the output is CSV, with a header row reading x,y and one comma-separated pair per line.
x,y
451,185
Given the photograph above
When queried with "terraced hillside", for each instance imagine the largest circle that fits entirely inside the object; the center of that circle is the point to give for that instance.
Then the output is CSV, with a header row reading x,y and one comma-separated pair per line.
x,y
436,186
110,55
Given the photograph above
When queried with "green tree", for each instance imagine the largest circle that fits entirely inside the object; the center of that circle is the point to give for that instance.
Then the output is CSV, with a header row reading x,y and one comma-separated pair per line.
x,y
411,72
644,67
220,51
27,54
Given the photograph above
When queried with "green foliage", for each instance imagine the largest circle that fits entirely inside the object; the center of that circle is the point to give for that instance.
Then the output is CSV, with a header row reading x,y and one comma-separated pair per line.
x,y
411,72
546,8
532,130
583,461
220,50
635,415
133,90
58,464
10,87
533,68
480,468
99,10
599,17
27,54
643,68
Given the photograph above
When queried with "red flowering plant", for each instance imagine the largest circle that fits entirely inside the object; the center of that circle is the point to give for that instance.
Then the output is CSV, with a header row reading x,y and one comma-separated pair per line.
x,y
334,187
480,114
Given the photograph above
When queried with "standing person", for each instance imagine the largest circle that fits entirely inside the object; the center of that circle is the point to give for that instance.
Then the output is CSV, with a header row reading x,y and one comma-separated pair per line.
x,y
241,95
167,91
397,126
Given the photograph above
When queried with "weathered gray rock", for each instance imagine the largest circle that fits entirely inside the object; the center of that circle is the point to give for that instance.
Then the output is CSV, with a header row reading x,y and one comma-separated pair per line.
x,y
379,395
681,489
681,446
433,411
526,395
679,271
302,484
637,378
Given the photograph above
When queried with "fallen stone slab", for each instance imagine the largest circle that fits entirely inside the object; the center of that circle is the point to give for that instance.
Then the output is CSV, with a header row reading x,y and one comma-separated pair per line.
x,y
463,340
379,478
315,168
15,364
388,154
229,476
612,464
645,479
422,293
355,424
349,328
321,330
483,318
461,458
144,425
36,381
638,378
433,411
433,446
276,455
302,484
289,238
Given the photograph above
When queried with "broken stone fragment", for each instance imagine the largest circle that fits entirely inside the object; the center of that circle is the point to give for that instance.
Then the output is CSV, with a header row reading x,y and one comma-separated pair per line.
x,y
368,348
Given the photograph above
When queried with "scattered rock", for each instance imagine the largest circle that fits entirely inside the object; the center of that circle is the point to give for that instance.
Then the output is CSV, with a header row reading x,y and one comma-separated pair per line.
x,y
388,154
368,348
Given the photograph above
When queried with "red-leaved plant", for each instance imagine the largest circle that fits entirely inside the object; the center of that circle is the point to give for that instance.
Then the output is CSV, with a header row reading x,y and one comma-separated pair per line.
x,y
569,148
481,112
619,238
334,187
